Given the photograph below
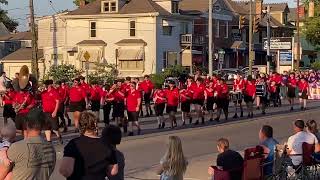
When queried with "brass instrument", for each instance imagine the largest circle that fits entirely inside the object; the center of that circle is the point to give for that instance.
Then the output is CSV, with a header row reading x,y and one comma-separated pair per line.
x,y
18,107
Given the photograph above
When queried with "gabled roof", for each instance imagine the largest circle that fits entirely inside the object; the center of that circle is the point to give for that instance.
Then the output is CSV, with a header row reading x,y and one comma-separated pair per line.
x,y
131,41
17,36
92,42
243,7
3,30
22,54
199,5
131,7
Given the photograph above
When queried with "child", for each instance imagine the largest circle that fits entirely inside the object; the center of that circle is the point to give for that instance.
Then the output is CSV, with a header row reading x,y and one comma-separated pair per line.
x,y
111,135
8,134
8,111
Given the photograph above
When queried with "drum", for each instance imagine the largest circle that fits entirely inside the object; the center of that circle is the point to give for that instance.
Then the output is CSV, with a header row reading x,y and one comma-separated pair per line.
x,y
260,90
235,96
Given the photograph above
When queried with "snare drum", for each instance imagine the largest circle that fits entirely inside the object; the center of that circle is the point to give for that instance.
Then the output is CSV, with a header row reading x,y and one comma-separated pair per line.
x,y
235,96
260,90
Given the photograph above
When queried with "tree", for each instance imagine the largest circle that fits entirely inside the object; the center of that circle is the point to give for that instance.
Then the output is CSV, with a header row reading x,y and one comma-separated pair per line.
x,y
104,73
77,2
312,31
316,65
66,72
6,20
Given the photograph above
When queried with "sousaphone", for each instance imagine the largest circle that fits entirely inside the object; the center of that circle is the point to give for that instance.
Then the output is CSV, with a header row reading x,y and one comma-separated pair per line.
x,y
27,82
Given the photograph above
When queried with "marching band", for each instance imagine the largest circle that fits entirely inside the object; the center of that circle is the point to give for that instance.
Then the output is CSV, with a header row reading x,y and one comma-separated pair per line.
x,y
124,98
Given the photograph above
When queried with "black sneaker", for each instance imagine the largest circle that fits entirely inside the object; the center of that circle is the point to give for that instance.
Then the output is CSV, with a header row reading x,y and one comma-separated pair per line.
x,y
263,113
130,134
202,120
301,108
235,116
217,119
291,109
163,125
241,115
249,115
190,121
258,108
197,122
210,119
159,126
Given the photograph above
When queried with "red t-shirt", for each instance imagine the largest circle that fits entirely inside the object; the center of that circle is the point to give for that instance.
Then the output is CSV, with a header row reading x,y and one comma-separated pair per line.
x,y
147,86
160,93
125,87
8,99
191,86
238,85
77,94
303,86
222,90
86,87
184,93
63,92
292,82
49,99
209,92
132,100
118,95
198,91
96,93
272,89
24,96
172,97
250,89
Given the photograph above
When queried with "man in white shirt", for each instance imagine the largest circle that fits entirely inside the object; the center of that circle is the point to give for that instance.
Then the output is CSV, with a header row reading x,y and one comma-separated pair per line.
x,y
295,142
3,88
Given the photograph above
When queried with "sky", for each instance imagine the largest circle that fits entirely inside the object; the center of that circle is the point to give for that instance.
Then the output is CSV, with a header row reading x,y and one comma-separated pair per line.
x,y
19,10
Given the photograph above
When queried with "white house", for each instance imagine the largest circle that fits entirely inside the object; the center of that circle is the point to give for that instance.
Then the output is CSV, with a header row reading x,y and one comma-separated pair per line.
x,y
139,36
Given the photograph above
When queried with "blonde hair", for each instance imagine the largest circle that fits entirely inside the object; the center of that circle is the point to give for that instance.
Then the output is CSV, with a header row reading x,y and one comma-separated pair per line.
x,y
8,132
175,162
223,143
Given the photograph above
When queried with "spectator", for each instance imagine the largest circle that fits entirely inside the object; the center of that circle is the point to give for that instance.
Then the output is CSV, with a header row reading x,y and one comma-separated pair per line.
x,y
269,144
33,157
295,141
8,135
111,135
173,163
312,127
86,157
228,160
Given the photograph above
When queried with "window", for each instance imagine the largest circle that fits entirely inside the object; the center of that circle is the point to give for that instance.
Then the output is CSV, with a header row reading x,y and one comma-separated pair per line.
x,y
170,59
174,7
131,65
184,28
113,6
226,29
110,6
93,29
217,28
106,7
167,30
56,56
53,27
132,28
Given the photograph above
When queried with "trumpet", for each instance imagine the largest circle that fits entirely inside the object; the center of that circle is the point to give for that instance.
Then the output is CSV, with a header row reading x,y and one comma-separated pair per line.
x,y
18,107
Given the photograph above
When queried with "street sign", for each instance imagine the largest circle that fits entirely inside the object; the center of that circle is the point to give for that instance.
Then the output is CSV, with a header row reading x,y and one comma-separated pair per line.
x,y
87,65
86,56
279,43
285,58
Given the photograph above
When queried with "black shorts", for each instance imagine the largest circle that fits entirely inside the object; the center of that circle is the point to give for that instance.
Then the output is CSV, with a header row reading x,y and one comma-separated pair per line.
x,y
247,98
159,108
61,108
8,111
222,103
133,116
198,102
95,106
304,95
171,109
146,98
185,106
291,92
118,109
50,123
77,106
20,121
210,102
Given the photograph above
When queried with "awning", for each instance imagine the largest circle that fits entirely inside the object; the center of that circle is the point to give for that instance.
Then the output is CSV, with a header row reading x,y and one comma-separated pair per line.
x,y
238,45
130,54
92,55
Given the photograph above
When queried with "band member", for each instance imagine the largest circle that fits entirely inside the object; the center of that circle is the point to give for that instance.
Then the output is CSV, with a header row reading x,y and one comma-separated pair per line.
x,y
147,89
272,89
221,93
118,103
276,77
198,99
125,86
159,99
96,93
238,86
292,84
84,85
50,105
185,99
63,91
303,87
172,95
209,99
138,87
107,100
249,95
8,111
261,93
78,101
133,101
23,102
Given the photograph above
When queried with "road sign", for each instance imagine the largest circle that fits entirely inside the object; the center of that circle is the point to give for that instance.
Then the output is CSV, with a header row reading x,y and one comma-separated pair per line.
x,y
86,56
279,43
285,58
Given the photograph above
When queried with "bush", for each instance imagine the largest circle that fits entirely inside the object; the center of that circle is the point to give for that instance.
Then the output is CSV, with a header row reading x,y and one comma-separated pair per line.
x,y
316,65
104,73
60,72
157,79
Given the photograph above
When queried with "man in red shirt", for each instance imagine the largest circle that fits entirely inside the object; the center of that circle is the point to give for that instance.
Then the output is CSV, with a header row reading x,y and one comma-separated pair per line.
x,y
292,84
95,97
147,89
63,91
185,100
78,101
303,87
107,100
84,85
159,99
238,87
198,99
50,105
133,101
209,98
118,103
172,94
8,111
249,95
221,93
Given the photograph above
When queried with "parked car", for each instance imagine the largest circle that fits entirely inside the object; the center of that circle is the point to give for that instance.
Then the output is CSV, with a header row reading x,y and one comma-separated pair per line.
x,y
168,79
227,74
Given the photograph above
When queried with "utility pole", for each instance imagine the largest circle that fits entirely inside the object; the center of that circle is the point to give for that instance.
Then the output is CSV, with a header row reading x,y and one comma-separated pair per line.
x,y
298,35
210,39
268,40
250,40
34,62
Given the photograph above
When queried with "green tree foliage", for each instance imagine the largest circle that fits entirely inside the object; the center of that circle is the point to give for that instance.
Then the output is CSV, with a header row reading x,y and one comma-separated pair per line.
x,y
77,2
5,19
66,72
316,65
312,31
104,73
174,71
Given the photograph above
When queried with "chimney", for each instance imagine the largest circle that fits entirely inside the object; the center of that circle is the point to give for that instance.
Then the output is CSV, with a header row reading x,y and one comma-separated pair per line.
x,y
82,3
259,8
311,8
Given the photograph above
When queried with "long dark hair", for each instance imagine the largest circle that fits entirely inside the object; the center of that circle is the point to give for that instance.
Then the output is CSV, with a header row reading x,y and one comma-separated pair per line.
x,y
312,126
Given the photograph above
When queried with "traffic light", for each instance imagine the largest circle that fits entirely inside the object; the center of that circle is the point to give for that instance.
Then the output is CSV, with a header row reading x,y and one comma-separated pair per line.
x,y
256,24
241,22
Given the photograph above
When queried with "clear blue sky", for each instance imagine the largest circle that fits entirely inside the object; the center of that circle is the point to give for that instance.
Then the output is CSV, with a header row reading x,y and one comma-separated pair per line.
x,y
42,7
